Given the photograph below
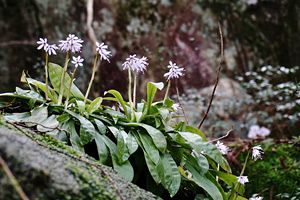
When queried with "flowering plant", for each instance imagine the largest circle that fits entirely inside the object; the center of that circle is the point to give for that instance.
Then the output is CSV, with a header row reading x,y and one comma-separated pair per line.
x,y
128,136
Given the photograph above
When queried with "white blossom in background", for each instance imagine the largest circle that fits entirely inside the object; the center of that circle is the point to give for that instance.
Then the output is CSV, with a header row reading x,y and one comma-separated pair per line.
x,y
174,71
43,43
257,152
103,51
176,106
72,43
51,49
256,197
251,2
256,132
242,179
77,61
222,148
135,64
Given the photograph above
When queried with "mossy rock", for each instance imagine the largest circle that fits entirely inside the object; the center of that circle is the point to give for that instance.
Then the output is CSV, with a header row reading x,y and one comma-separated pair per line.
x,y
48,169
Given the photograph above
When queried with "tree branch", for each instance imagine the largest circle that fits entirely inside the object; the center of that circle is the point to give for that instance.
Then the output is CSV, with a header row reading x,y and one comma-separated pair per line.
x,y
222,59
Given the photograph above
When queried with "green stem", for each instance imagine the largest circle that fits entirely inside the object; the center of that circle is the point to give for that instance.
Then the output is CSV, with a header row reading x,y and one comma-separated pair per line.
x,y
62,80
134,89
46,75
245,164
92,78
129,88
217,178
167,91
69,89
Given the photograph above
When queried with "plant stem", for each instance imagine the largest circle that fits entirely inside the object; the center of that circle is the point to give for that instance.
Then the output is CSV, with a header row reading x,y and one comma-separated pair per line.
x,y
167,91
62,80
245,164
134,89
129,88
92,78
46,75
13,179
69,89
217,178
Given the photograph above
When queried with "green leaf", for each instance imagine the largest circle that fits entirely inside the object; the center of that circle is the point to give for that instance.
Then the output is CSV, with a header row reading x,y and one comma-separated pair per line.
x,y
202,181
149,147
49,125
101,148
229,179
202,147
156,135
197,131
131,143
124,169
55,73
42,86
101,127
81,106
87,129
75,140
94,105
171,177
120,99
151,91
199,163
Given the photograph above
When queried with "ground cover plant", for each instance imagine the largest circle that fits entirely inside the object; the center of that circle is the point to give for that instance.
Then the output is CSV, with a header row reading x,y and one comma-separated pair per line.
x,y
136,138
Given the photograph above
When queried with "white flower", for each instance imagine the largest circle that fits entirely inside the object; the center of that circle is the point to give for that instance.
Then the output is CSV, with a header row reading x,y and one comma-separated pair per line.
x,y
176,106
72,43
174,71
103,51
256,131
222,148
135,64
43,43
257,152
77,61
50,49
255,197
242,179
252,2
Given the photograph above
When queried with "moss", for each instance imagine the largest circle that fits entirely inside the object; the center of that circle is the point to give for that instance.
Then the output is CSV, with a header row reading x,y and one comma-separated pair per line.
x,y
277,173
91,185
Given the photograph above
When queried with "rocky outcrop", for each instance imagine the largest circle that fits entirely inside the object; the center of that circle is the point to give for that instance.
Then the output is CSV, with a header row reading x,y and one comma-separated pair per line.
x,y
48,169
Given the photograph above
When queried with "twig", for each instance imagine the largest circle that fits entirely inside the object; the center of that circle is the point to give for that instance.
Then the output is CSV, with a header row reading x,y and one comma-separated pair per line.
x,y
177,91
13,179
218,76
224,136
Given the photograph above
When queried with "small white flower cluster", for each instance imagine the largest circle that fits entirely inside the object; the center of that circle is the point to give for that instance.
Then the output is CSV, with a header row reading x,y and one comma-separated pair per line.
x,y
174,71
255,197
258,132
103,51
222,148
251,2
48,48
135,64
257,152
72,43
242,179
77,61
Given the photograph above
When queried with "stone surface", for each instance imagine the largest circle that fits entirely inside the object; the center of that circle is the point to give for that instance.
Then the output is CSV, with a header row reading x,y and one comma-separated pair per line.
x,y
47,169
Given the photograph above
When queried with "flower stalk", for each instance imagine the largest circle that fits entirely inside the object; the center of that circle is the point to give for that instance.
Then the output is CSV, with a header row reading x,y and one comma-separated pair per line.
x,y
62,80
134,89
92,78
167,91
69,89
46,74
